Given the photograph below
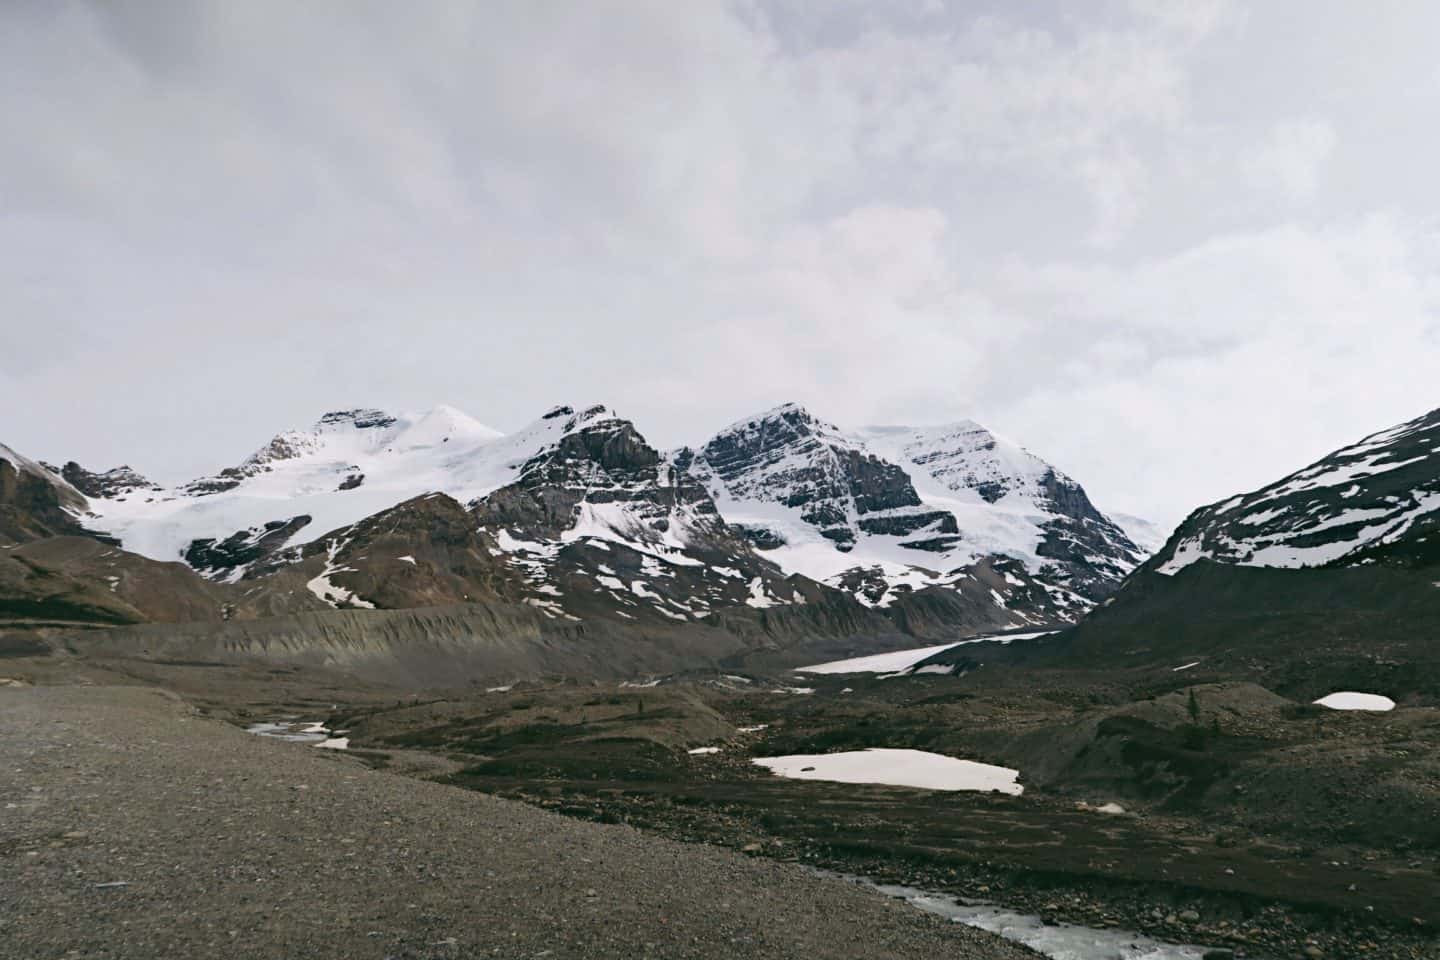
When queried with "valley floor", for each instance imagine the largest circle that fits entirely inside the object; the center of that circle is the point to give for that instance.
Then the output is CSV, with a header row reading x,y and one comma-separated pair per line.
x,y
1252,823
131,826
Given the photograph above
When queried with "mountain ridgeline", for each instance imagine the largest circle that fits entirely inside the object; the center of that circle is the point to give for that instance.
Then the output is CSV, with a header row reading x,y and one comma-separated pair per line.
x,y
780,526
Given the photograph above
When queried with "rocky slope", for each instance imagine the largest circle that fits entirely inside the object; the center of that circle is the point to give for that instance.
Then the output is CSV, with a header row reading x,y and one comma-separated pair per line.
x,y
1377,500
1324,580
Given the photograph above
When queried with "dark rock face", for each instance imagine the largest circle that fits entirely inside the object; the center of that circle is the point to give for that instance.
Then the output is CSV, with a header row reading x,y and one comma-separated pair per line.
x,y
761,538
362,419
119,482
1376,501
600,525
34,503
352,481
224,559
902,525
227,479
602,461
789,457
1091,554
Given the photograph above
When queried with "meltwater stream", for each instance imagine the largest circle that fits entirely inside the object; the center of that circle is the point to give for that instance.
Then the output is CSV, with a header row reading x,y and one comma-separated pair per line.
x,y
1061,941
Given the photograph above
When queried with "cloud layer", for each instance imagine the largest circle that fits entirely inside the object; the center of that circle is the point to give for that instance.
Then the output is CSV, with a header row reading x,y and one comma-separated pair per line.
x,y
1175,247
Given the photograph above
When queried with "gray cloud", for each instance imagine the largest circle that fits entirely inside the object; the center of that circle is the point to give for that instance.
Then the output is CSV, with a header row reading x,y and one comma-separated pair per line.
x,y
1174,247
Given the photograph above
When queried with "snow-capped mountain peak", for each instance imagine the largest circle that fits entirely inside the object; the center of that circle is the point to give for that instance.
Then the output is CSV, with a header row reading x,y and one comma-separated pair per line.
x,y
908,506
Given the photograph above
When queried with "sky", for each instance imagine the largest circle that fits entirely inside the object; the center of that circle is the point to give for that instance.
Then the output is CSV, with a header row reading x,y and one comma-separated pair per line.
x,y
1178,248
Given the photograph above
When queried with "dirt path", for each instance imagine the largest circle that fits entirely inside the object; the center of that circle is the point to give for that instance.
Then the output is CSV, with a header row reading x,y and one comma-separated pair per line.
x,y
129,827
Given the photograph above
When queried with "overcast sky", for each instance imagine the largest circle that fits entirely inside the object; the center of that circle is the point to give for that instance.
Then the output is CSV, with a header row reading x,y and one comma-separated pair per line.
x,y
1176,248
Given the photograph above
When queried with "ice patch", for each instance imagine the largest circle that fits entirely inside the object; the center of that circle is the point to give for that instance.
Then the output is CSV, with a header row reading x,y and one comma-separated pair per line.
x,y
699,751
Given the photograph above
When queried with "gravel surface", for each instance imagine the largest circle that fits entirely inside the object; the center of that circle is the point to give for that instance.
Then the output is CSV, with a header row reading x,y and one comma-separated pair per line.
x,y
131,827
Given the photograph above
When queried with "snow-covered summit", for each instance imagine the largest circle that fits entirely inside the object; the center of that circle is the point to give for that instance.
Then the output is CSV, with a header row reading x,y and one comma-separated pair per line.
x,y
348,465
896,508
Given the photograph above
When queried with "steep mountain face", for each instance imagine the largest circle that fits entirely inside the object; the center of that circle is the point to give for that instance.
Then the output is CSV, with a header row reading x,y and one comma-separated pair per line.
x,y
597,518
1377,500
1012,503
35,502
888,513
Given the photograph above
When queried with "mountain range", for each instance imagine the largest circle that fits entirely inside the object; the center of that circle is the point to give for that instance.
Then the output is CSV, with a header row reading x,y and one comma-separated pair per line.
x,y
780,530
939,530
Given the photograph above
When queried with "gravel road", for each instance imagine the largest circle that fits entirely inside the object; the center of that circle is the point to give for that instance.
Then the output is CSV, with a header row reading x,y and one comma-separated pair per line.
x,y
131,827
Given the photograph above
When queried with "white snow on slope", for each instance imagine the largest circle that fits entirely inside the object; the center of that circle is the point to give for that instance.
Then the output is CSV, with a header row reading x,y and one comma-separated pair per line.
x,y
334,594
1344,503
901,768
300,473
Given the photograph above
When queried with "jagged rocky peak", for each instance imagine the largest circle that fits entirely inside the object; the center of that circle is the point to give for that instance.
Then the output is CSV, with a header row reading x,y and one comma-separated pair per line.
x,y
599,436
1375,501
592,471
789,457
888,512
359,419
118,482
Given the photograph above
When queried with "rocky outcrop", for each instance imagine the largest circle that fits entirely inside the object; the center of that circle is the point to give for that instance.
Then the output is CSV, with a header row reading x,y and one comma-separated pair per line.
x,y
243,551
112,484
788,457
36,503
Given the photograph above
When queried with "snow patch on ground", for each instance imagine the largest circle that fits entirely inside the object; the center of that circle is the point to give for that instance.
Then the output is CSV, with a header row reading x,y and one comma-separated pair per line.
x,y
901,660
1349,700
901,768
333,594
